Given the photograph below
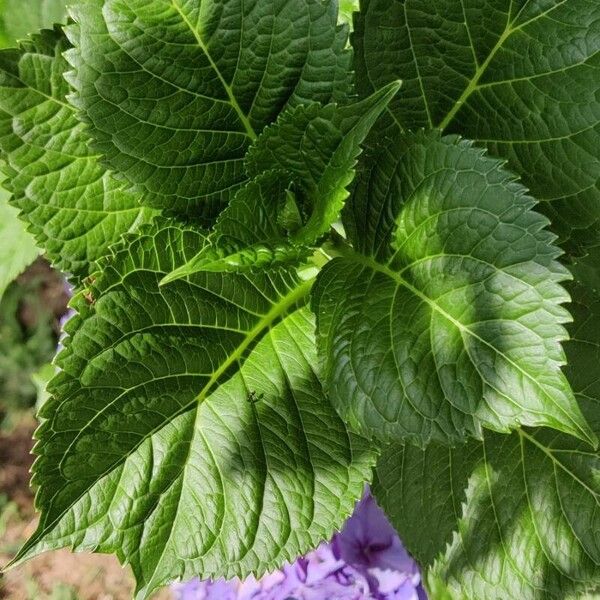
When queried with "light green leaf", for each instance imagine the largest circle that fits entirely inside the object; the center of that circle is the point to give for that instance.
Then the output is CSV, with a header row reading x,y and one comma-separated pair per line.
x,y
456,323
302,166
176,90
187,431
513,517
17,247
19,18
41,378
520,76
75,208
347,10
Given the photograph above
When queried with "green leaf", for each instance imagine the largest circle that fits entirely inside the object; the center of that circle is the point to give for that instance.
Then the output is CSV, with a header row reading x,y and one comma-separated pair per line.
x,y
520,77
347,10
519,514
513,517
187,431
456,323
19,18
301,166
74,207
249,234
587,269
318,146
17,247
176,90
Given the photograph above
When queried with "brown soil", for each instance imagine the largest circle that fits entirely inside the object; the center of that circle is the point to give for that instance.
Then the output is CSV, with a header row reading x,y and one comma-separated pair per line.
x,y
77,576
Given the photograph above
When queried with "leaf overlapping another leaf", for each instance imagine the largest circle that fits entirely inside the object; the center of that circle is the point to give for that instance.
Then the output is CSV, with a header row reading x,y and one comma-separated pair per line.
x,y
73,206
177,90
188,431
514,516
520,77
250,235
301,167
456,322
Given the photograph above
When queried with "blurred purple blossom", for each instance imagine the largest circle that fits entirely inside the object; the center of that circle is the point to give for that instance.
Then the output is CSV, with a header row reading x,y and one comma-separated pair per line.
x,y
365,561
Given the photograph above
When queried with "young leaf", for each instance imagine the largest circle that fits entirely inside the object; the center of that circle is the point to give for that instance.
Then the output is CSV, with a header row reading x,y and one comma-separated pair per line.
x,y
318,146
249,234
457,322
187,431
75,209
176,90
513,517
313,146
17,247
519,77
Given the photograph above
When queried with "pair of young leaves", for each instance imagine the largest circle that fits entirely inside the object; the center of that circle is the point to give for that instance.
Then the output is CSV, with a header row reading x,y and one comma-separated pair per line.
x,y
441,315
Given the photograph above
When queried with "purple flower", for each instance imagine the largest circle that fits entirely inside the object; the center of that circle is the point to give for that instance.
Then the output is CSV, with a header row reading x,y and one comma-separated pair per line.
x,y
370,544
366,561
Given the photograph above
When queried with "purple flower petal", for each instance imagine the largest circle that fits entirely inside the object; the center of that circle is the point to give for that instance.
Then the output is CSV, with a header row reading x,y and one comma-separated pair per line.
x,y
369,540
366,561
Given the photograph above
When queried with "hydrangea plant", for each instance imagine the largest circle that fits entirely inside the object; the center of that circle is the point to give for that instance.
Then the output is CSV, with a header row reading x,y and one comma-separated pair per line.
x,y
306,261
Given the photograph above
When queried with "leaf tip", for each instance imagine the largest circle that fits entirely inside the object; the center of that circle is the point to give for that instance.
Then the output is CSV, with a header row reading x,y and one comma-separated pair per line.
x,y
170,278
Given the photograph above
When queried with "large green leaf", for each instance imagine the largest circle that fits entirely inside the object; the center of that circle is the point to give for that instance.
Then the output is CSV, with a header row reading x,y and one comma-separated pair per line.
x,y
75,208
176,90
456,323
516,516
17,247
303,164
19,19
187,431
520,76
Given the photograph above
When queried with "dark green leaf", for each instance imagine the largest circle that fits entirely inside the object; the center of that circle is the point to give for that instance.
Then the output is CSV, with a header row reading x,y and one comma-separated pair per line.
x,y
249,234
176,90
74,207
318,146
513,517
313,150
519,76
587,269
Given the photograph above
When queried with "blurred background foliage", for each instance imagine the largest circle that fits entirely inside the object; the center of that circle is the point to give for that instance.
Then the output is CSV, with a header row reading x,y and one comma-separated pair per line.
x,y
18,18
30,314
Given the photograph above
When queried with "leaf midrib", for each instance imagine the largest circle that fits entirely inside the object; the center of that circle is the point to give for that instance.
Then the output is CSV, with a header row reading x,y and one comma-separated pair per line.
x,y
369,262
473,85
278,310
228,90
